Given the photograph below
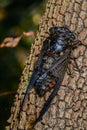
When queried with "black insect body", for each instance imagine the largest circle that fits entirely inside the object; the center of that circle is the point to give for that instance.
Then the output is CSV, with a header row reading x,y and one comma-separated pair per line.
x,y
52,64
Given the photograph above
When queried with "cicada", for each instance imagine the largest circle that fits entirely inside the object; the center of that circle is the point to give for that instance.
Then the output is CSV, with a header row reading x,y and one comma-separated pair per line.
x,y
52,64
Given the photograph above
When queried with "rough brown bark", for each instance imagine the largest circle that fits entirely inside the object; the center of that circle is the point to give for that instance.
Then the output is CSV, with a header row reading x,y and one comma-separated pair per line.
x,y
68,110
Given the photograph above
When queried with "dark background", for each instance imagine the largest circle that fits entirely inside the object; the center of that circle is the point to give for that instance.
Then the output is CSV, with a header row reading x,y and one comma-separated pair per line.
x,y
16,16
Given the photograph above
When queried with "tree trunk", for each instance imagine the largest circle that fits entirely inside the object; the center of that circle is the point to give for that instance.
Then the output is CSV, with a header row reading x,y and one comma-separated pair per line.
x,y
68,110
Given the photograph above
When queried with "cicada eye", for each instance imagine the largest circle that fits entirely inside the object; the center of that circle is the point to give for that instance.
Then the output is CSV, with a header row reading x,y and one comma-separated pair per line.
x,y
72,36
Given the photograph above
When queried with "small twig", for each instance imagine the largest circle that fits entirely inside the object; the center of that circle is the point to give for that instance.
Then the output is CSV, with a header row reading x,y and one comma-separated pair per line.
x,y
28,34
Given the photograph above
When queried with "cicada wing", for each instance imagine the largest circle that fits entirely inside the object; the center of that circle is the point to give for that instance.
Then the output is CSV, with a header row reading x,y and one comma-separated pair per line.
x,y
37,70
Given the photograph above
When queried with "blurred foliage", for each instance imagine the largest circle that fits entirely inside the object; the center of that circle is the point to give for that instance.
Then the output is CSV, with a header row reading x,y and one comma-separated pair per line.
x,y
16,16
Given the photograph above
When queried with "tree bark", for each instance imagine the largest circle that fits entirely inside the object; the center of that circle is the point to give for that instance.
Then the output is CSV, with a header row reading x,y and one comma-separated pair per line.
x,y
68,110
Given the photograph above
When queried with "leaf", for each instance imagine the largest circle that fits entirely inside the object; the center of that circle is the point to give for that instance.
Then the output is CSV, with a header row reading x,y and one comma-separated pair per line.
x,y
10,42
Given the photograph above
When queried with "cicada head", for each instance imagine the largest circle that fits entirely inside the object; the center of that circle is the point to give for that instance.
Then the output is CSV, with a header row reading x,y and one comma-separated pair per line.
x,y
62,37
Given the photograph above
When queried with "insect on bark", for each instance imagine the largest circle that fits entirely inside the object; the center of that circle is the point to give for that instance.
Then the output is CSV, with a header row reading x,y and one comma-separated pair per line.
x,y
51,65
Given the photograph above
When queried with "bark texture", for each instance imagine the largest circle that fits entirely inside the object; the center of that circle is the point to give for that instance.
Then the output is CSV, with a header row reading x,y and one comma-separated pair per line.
x,y
68,111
